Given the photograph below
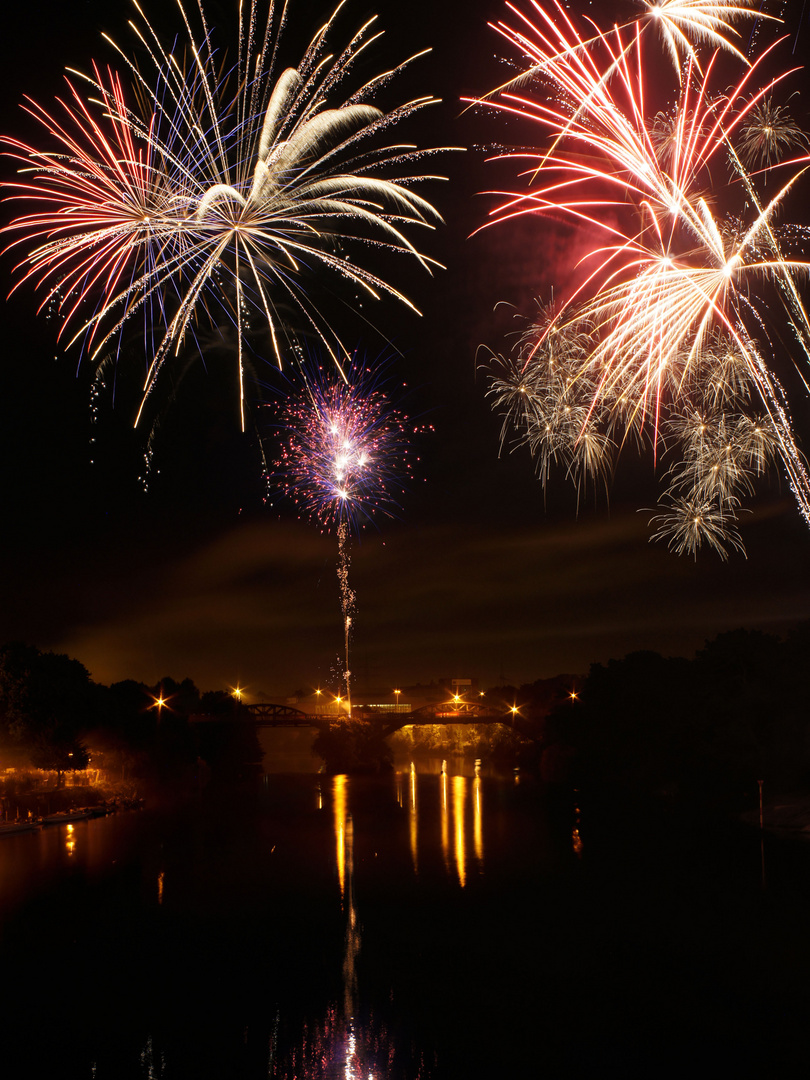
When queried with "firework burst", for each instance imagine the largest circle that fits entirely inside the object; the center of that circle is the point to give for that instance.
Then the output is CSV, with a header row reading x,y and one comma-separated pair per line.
x,y
767,134
345,453
683,265
195,194
345,457
718,446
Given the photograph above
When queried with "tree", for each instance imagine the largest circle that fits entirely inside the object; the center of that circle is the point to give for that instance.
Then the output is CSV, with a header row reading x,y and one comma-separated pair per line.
x,y
47,701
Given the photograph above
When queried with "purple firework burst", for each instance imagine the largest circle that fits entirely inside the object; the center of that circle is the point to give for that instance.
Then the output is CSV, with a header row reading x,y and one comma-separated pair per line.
x,y
345,454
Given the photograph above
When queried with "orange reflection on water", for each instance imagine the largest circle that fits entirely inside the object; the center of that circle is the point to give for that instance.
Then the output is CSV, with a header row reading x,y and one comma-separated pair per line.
x,y
478,821
339,801
70,843
459,800
344,841
445,819
414,821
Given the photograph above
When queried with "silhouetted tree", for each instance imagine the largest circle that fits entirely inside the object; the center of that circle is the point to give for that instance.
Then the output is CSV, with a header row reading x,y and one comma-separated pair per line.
x,y
47,701
752,688
351,745
218,703
126,734
182,698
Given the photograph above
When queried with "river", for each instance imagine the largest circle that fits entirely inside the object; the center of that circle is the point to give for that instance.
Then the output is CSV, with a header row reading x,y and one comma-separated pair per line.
x,y
421,925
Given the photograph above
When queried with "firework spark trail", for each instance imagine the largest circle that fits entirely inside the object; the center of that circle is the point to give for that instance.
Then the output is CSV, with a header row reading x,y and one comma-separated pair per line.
x,y
208,193
344,459
682,24
347,603
670,273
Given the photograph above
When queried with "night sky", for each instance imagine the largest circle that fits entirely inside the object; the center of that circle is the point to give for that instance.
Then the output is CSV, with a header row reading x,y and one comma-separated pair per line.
x,y
479,576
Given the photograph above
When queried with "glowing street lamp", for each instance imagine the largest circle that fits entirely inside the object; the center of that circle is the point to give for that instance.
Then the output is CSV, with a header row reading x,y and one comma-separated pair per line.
x,y
396,694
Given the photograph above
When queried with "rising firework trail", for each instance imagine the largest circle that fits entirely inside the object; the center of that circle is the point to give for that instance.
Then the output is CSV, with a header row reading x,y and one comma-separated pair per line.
x,y
345,456
197,191
681,202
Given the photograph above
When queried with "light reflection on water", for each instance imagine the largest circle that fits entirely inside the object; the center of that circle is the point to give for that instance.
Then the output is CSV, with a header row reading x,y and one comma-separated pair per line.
x,y
459,838
384,927
460,816
348,1042
442,830
203,868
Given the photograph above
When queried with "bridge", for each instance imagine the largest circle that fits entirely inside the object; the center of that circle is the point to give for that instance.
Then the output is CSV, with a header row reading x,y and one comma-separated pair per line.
x,y
263,714
266,714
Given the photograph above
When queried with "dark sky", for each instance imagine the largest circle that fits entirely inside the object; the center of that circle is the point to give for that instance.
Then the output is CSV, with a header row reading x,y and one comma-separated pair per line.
x,y
478,577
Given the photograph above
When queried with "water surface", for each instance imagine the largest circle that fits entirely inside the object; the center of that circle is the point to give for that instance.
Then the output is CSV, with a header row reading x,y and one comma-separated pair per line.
x,y
423,926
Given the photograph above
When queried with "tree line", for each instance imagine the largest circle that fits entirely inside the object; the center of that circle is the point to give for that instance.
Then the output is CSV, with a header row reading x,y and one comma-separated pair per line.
x,y
54,716
712,726
716,724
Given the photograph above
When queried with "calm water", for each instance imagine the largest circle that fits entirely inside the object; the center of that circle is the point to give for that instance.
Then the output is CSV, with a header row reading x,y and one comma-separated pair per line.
x,y
423,926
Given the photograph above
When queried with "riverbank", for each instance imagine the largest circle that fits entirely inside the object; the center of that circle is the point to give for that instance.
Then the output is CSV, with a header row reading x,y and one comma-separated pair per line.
x,y
23,801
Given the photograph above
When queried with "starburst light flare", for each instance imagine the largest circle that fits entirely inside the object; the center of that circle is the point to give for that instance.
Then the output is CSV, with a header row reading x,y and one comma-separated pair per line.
x,y
686,246
192,192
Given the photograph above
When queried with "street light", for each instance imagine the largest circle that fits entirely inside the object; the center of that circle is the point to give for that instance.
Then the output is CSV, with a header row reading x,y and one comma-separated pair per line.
x,y
397,693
